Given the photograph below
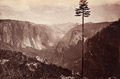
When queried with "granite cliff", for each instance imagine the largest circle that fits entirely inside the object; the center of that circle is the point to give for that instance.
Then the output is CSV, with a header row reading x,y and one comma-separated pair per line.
x,y
24,34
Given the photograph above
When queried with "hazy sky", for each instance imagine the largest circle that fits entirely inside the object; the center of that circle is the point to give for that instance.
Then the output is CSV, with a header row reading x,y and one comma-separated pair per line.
x,y
58,11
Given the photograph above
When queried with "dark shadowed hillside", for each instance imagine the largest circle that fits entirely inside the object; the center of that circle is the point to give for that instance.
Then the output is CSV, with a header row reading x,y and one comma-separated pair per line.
x,y
102,58
15,65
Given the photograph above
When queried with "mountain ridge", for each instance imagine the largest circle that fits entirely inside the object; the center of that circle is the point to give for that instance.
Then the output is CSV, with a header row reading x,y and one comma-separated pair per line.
x,y
102,56
65,53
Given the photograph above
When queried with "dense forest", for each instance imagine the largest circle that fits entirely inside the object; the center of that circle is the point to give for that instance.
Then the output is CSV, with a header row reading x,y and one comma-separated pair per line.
x,y
102,53
14,65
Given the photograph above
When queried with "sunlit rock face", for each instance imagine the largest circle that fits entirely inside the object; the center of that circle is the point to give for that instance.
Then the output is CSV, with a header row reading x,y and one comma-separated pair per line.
x,y
75,37
72,37
24,34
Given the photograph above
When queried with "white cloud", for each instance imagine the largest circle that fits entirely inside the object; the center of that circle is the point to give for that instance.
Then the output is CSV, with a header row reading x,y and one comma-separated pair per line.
x,y
102,2
18,5
55,11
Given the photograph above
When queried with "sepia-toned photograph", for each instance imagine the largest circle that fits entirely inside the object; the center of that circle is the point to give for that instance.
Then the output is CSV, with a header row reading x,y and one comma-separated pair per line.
x,y
59,39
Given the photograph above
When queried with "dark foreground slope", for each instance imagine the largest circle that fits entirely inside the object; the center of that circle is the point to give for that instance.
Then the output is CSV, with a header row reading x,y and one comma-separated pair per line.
x,y
102,58
15,65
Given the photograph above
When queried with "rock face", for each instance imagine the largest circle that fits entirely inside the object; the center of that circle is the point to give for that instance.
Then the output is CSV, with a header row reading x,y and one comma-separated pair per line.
x,y
24,34
68,50
102,53
74,35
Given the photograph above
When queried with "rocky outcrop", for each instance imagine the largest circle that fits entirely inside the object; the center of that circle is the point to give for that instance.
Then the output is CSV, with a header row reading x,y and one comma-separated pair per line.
x,y
15,65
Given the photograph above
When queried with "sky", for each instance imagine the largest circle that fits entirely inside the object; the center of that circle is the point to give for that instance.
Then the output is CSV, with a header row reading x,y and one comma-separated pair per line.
x,y
58,11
